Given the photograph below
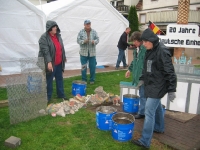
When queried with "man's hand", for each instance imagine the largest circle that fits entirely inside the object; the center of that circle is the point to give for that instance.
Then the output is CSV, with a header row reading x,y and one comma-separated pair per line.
x,y
86,41
50,67
127,74
140,83
92,41
171,96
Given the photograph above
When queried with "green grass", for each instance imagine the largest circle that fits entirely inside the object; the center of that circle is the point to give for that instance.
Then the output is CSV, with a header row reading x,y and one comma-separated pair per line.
x,y
109,80
73,132
3,94
197,66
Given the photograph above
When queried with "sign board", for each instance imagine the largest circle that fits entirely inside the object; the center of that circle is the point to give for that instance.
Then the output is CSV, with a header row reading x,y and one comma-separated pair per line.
x,y
181,36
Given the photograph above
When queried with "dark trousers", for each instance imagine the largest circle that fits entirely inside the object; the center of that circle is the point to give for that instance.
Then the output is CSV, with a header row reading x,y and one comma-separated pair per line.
x,y
121,57
58,74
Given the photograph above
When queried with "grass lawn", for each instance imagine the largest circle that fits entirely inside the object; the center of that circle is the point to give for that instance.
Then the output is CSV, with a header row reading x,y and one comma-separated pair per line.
x,y
73,132
197,66
3,94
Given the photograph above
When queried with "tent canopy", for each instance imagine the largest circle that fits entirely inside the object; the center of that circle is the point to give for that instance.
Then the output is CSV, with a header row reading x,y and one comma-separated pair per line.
x,y
105,19
23,24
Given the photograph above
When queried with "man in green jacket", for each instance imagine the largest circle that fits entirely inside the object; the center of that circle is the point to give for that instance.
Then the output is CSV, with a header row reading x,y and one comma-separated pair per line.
x,y
136,69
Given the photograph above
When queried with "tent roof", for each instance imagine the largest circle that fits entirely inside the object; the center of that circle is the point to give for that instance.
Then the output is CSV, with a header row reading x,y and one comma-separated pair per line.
x,y
56,8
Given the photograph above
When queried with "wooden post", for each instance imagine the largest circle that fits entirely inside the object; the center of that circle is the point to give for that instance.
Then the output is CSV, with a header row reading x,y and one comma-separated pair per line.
x,y
182,18
183,11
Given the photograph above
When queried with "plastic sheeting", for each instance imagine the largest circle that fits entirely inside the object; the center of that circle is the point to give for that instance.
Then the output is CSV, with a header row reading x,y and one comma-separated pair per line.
x,y
22,24
105,19
20,28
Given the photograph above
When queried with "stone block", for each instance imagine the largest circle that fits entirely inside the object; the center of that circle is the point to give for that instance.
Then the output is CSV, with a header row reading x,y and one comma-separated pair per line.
x,y
13,142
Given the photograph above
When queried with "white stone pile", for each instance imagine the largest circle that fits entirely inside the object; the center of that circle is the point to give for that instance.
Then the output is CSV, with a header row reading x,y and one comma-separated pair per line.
x,y
74,104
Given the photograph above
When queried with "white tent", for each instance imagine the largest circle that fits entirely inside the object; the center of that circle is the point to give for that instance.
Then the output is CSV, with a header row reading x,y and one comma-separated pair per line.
x,y
20,28
22,24
106,20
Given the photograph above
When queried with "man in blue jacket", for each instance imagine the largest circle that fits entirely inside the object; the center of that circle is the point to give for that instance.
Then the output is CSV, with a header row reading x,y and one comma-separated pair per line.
x,y
159,78
122,45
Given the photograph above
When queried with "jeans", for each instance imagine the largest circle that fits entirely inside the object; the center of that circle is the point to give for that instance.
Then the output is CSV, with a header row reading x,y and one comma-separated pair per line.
x,y
92,65
142,100
58,74
121,57
154,120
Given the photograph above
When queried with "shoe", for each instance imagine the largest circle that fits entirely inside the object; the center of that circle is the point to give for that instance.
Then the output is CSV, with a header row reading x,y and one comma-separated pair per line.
x,y
65,98
91,82
116,68
136,142
125,66
138,116
158,132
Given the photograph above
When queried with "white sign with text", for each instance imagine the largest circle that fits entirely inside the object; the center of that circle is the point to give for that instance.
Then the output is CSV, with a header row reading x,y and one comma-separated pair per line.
x,y
183,30
181,36
180,41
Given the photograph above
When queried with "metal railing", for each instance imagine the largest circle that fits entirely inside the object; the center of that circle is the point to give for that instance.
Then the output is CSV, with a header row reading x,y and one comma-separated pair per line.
x,y
122,8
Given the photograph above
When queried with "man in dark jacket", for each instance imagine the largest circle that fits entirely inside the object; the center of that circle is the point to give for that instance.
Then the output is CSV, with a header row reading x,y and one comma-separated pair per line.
x,y
122,45
159,78
53,51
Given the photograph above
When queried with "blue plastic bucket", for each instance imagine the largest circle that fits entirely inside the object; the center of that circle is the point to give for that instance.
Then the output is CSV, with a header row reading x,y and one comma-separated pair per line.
x,y
130,103
104,117
79,87
123,126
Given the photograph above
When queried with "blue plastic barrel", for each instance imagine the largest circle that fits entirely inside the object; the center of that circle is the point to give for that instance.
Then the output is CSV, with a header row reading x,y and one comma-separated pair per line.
x,y
123,126
104,117
130,103
79,87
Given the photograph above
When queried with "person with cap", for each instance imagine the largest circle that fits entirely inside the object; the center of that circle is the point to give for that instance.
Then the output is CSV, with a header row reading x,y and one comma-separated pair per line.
x,y
136,67
52,49
159,78
122,45
88,39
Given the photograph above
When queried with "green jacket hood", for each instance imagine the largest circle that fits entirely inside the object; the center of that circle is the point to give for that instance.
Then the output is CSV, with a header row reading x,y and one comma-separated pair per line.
x,y
50,24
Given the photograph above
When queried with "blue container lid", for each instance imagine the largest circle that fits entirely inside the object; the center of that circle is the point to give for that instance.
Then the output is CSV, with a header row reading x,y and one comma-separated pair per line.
x,y
120,116
79,82
106,109
130,96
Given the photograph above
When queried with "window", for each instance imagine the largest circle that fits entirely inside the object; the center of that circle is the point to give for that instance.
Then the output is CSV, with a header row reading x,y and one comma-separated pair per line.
x,y
112,3
142,18
120,3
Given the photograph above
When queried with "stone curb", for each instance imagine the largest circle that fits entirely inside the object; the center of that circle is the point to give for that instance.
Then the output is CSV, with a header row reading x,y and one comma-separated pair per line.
x,y
3,103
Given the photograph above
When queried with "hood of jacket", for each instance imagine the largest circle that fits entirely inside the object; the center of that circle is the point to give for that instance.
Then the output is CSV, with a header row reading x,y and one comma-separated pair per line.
x,y
148,35
50,24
